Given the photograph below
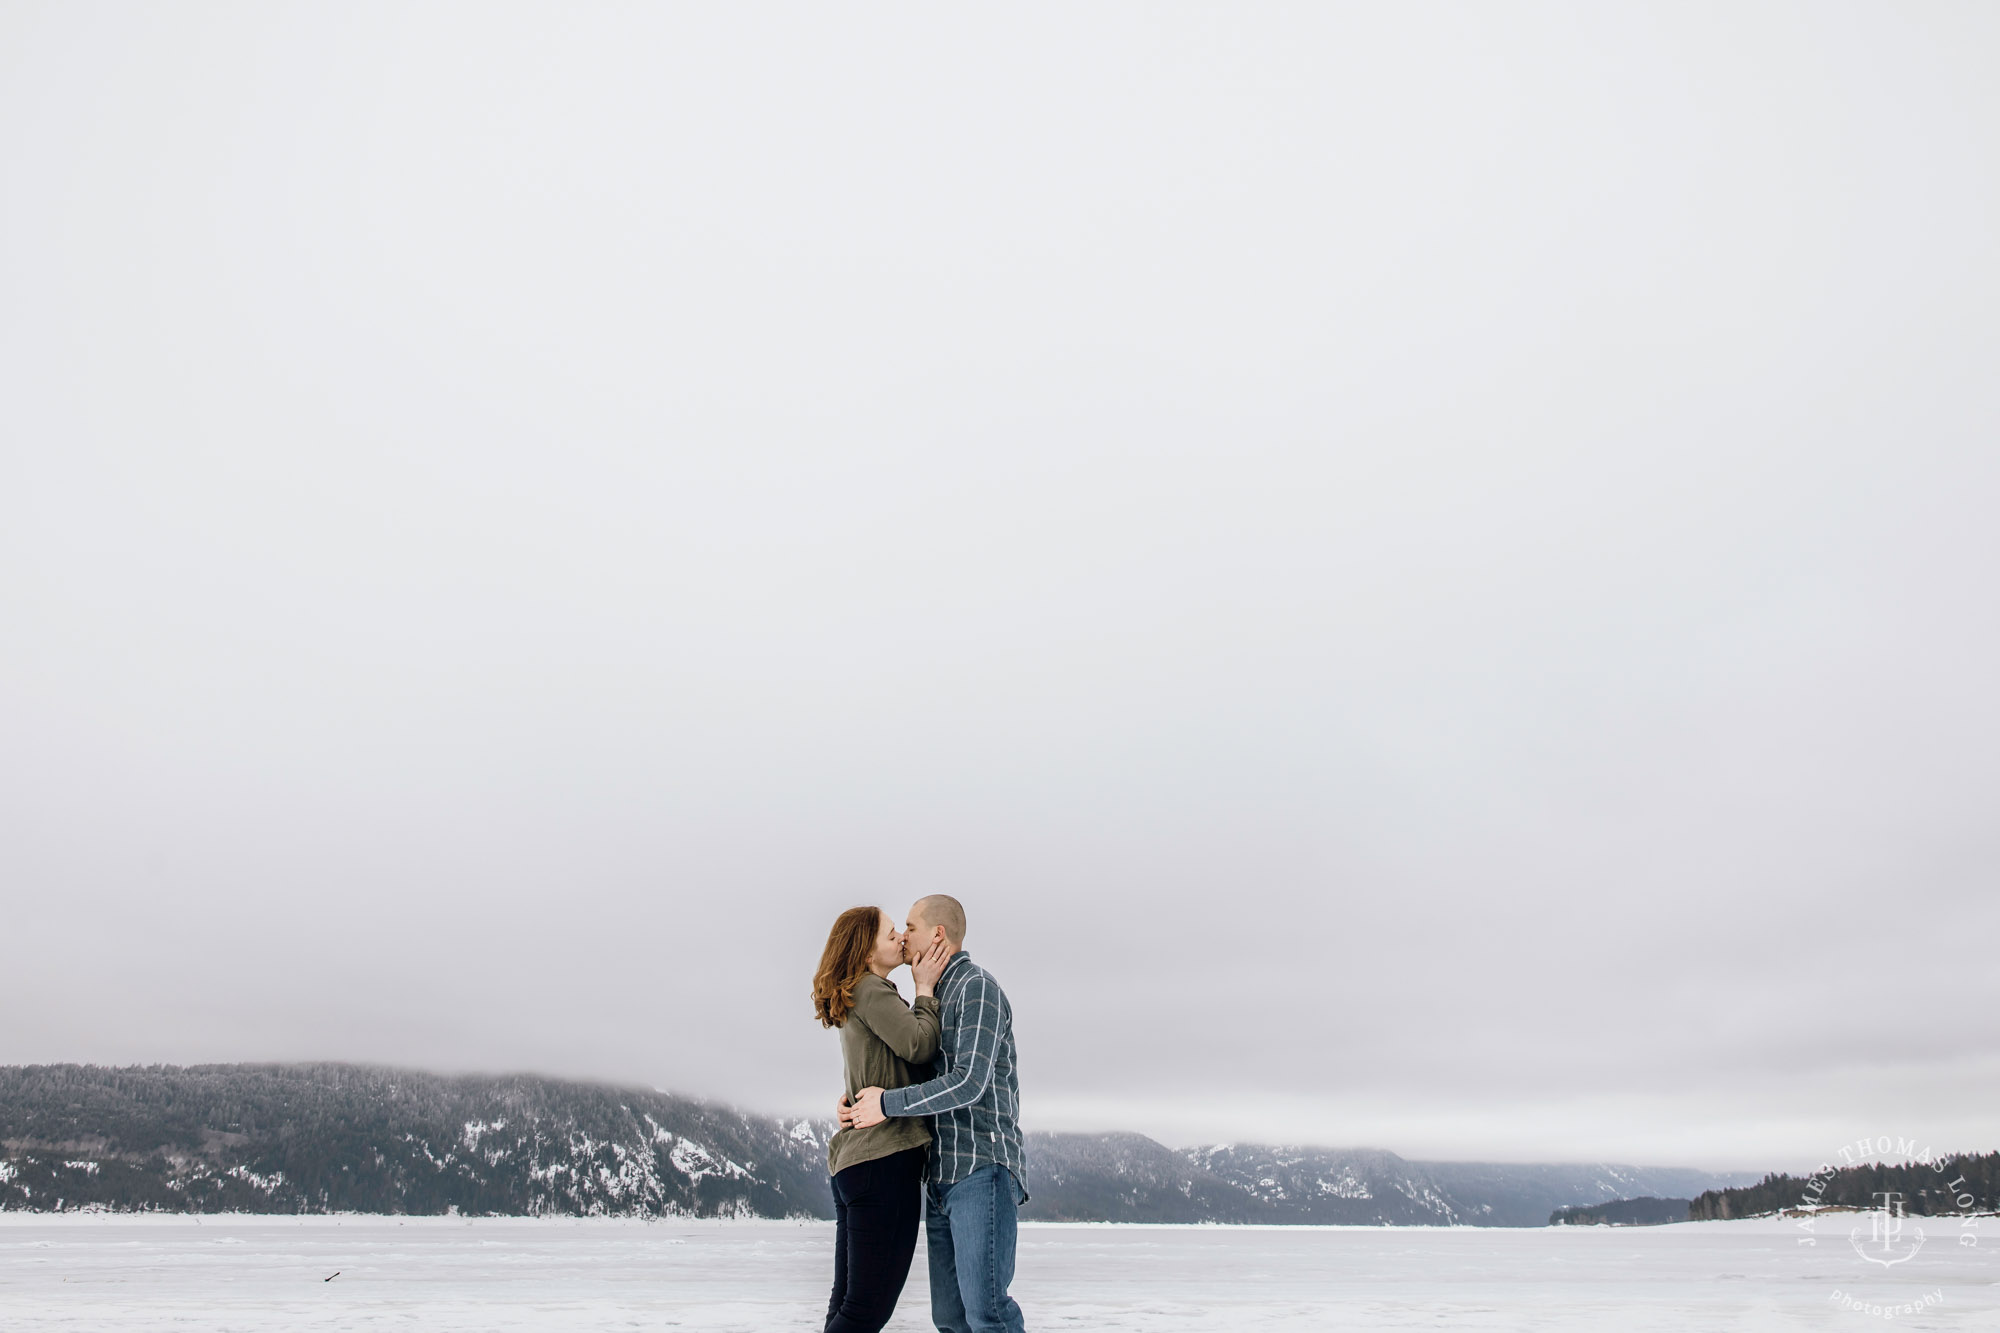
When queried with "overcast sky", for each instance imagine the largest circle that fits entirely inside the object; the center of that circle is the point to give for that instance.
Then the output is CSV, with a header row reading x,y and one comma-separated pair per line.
x,y
1425,573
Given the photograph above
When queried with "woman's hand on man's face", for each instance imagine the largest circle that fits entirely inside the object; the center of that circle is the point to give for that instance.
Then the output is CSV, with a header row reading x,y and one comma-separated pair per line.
x,y
926,970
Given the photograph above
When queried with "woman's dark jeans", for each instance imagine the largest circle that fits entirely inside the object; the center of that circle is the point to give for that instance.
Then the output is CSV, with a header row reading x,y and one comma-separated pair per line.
x,y
876,1206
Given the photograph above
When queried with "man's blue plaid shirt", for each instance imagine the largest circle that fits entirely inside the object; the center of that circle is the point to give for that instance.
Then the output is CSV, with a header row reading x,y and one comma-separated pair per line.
x,y
975,1095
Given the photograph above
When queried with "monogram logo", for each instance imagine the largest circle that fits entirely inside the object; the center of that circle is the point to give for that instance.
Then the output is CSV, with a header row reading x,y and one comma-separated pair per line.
x,y
1886,1226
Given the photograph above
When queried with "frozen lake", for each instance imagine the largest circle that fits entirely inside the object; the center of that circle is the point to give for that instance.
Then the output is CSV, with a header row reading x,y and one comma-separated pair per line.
x,y
222,1274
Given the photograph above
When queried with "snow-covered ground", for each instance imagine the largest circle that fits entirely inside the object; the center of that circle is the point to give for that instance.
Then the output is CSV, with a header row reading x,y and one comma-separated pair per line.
x,y
222,1274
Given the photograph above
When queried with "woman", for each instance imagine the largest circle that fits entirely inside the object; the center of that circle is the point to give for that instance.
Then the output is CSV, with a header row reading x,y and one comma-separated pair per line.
x,y
877,1172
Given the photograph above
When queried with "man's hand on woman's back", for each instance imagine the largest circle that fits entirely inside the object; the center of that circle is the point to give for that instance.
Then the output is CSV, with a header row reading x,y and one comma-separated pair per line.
x,y
866,1113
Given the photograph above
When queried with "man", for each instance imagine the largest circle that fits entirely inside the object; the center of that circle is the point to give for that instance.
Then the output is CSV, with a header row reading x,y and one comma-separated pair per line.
x,y
974,1178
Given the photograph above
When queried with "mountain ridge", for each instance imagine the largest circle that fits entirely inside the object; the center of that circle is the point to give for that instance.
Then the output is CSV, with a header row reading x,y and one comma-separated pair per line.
x,y
327,1137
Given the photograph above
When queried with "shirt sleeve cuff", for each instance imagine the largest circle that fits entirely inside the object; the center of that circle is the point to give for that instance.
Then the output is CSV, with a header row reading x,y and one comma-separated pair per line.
x,y
892,1102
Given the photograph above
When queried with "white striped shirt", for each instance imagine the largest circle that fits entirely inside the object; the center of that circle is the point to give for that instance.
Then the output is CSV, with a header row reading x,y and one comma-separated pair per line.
x,y
975,1095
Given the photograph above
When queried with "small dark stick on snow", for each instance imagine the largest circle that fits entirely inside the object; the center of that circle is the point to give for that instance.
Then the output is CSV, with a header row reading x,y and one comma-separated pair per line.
x,y
331,1276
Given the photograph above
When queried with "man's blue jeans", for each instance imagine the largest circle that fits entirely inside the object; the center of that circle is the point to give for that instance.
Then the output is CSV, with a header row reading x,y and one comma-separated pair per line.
x,y
969,1232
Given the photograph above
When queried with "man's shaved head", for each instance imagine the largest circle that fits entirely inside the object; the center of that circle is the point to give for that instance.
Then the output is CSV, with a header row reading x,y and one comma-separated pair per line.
x,y
941,909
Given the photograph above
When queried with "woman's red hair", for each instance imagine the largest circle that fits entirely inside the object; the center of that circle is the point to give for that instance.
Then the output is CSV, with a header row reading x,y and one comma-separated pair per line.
x,y
849,946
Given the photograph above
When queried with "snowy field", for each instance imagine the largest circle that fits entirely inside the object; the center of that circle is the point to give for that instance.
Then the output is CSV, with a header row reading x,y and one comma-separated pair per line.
x,y
223,1274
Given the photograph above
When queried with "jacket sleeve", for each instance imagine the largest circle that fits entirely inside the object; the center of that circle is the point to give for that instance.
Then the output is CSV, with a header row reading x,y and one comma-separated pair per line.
x,y
969,1056
910,1033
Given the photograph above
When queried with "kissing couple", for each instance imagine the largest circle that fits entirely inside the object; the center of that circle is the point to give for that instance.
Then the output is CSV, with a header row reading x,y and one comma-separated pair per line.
x,y
929,1122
